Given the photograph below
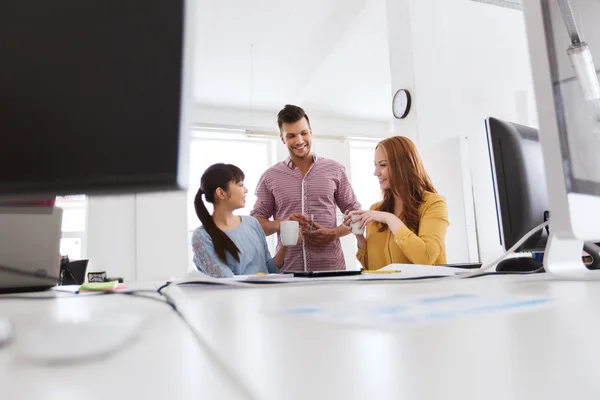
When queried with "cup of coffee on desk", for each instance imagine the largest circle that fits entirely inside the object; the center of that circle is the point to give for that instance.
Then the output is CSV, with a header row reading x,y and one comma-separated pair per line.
x,y
288,231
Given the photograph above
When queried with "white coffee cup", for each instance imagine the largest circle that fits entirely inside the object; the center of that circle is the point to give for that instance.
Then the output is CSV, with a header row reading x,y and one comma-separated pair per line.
x,y
356,229
288,230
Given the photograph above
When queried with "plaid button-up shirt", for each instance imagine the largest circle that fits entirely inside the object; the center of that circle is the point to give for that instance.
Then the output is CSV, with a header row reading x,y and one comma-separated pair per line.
x,y
282,191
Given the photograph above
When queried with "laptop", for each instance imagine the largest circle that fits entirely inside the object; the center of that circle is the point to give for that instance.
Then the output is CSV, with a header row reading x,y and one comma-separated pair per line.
x,y
29,248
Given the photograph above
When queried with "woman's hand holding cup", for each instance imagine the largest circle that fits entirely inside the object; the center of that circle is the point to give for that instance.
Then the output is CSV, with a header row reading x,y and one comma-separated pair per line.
x,y
353,223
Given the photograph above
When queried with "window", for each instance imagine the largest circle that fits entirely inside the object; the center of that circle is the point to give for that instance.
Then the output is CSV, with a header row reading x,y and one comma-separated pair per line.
x,y
72,242
366,186
253,155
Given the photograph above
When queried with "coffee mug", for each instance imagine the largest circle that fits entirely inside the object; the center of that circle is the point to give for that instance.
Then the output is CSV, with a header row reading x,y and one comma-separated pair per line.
x,y
288,231
356,229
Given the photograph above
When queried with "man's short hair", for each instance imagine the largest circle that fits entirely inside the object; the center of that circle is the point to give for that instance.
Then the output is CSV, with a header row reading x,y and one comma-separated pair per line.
x,y
291,114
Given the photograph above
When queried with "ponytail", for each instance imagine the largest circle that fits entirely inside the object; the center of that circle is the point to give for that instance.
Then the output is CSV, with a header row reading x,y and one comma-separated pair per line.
x,y
221,242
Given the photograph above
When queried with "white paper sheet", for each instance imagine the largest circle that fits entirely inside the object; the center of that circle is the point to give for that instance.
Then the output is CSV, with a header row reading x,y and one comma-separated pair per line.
x,y
408,271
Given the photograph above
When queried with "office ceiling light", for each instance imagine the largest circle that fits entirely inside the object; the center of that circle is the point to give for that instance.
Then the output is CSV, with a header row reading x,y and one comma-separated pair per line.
x,y
581,59
514,4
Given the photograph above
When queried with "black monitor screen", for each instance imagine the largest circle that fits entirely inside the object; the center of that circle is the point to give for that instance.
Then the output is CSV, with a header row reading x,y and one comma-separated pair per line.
x,y
519,182
90,95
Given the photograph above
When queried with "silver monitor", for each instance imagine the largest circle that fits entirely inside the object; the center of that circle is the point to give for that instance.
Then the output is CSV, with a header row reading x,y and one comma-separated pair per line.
x,y
29,248
564,45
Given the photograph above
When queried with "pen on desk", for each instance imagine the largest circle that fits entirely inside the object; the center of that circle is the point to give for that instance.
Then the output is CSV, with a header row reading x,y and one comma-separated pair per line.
x,y
379,271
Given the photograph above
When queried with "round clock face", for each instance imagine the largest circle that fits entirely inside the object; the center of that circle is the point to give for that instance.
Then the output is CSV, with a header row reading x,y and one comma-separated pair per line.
x,y
401,103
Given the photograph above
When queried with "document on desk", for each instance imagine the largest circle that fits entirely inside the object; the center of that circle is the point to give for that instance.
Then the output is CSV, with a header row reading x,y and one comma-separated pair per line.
x,y
406,271
409,310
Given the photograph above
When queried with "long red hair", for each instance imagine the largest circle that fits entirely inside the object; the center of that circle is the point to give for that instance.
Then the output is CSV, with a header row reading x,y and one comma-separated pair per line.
x,y
408,180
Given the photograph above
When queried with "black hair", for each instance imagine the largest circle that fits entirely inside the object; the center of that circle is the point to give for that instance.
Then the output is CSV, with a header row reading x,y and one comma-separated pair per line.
x,y
290,114
217,176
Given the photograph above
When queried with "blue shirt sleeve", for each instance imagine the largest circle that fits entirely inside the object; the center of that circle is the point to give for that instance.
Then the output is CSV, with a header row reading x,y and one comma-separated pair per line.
x,y
205,258
271,266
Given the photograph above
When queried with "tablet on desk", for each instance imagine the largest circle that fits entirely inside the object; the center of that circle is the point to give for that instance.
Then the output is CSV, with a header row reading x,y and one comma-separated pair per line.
x,y
463,265
322,274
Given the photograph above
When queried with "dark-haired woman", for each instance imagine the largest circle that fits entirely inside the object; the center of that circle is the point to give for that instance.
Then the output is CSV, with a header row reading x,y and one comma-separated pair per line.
x,y
227,244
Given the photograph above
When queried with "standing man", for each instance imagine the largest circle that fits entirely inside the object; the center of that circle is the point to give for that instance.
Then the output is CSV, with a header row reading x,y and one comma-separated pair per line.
x,y
308,189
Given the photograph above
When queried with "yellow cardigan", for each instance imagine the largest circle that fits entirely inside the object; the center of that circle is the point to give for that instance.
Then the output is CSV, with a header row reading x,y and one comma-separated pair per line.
x,y
405,247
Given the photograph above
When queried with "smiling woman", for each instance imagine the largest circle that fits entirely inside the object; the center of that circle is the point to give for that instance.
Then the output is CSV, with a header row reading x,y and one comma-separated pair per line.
x,y
227,244
409,225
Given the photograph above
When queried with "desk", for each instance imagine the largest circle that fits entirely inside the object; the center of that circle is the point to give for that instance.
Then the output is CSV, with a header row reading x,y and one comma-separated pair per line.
x,y
545,353
164,363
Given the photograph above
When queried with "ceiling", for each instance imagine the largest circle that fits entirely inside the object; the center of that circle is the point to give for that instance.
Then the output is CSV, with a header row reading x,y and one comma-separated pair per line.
x,y
329,56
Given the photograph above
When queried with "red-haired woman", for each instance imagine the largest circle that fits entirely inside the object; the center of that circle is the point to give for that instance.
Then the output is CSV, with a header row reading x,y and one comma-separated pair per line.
x,y
409,225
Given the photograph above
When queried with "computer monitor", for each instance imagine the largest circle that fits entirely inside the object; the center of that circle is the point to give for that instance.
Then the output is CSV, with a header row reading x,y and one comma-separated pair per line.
x,y
520,194
94,96
564,42
519,183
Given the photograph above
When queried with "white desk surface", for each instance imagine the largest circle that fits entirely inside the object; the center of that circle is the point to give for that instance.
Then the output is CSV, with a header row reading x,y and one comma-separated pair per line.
x,y
165,362
548,352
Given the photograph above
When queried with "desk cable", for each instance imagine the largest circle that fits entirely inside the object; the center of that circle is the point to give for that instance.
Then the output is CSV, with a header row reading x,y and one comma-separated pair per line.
x,y
229,371
508,252
165,299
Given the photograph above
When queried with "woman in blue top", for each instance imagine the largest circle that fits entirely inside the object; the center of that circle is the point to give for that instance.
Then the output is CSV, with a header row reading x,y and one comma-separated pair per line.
x,y
227,244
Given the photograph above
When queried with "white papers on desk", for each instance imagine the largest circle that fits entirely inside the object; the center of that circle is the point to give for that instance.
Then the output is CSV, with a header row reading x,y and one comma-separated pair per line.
x,y
408,271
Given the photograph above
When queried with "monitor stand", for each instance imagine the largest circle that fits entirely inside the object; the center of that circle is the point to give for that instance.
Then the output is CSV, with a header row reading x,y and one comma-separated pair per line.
x,y
29,248
520,264
562,259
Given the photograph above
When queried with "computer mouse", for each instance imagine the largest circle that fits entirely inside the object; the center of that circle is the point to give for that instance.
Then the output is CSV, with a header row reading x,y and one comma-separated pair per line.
x,y
77,341
6,330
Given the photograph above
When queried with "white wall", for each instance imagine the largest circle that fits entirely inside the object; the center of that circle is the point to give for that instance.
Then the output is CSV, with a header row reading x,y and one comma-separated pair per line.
x,y
402,63
161,235
470,62
111,235
139,237
444,163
